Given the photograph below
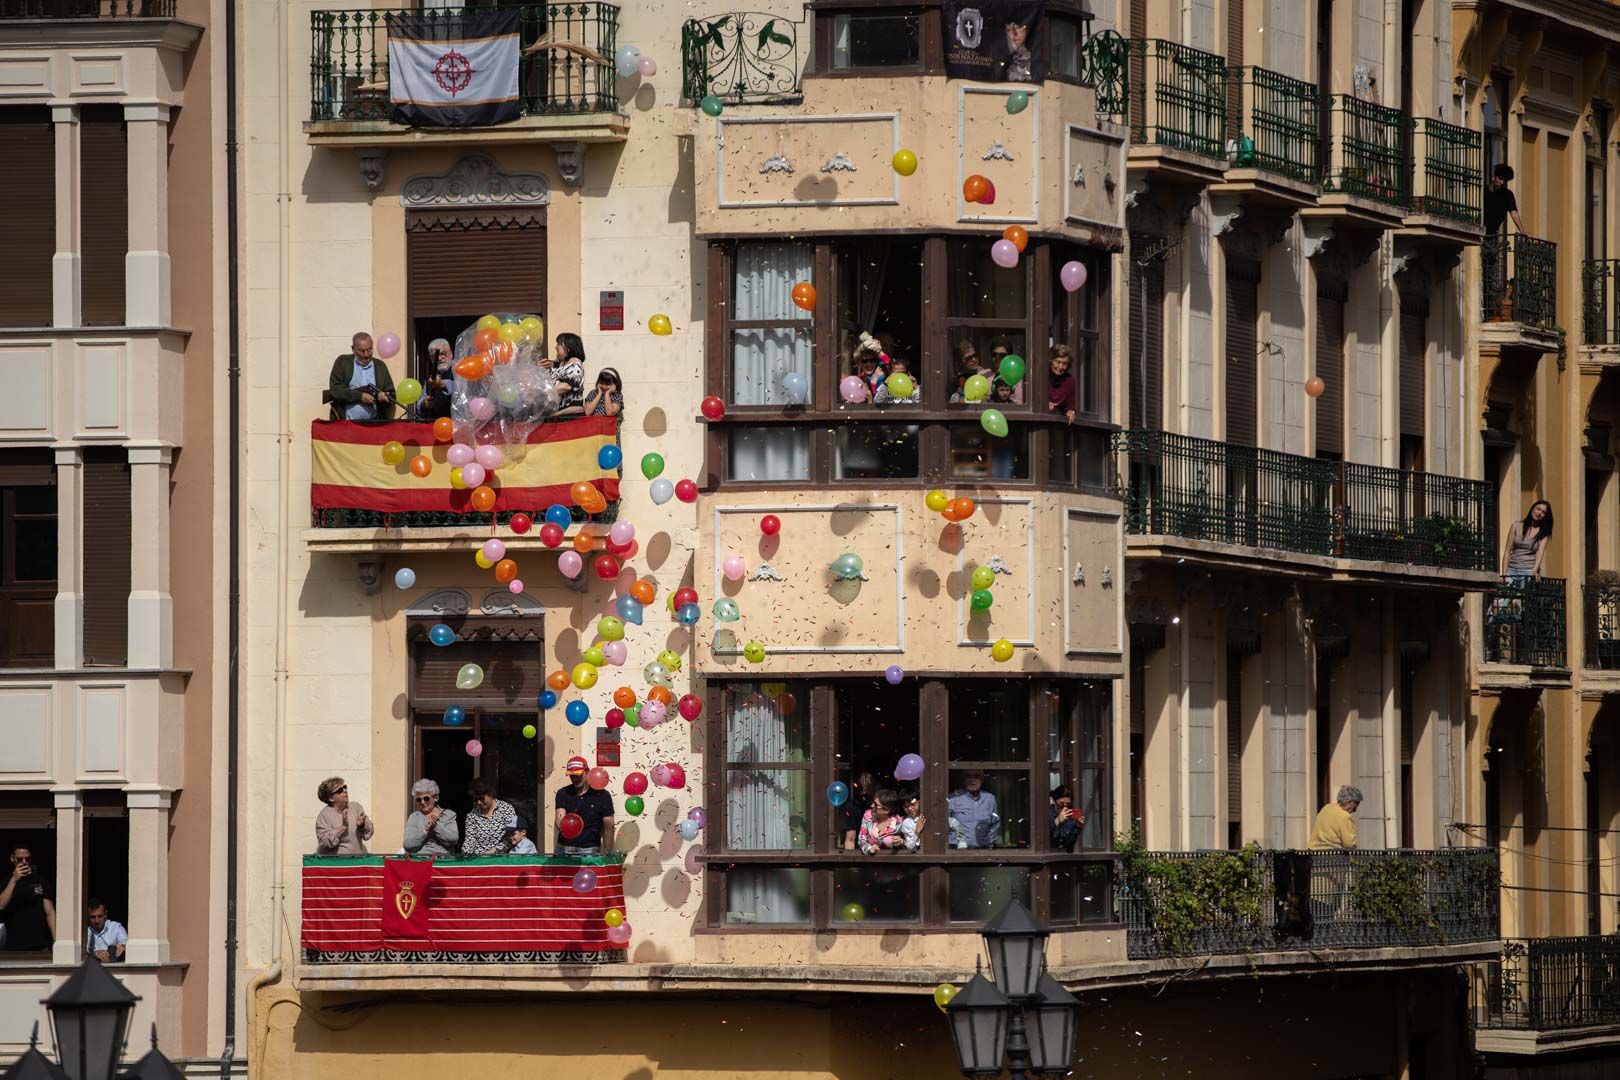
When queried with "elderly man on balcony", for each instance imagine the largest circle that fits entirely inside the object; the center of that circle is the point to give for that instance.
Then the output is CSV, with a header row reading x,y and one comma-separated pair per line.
x,y
1335,827
360,386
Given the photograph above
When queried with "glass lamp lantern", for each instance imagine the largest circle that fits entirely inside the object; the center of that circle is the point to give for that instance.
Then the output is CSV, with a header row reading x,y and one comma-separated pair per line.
x,y
1051,1020
89,1020
978,1018
1017,946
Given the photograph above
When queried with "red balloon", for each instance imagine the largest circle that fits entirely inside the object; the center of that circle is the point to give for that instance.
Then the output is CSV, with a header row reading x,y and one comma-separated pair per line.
x,y
989,195
635,783
677,776
687,595
571,826
614,717
690,706
686,491
551,534
521,523
713,407
770,524
606,567
973,188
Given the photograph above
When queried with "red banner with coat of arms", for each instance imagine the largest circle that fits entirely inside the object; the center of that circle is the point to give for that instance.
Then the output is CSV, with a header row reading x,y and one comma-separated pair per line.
x,y
405,899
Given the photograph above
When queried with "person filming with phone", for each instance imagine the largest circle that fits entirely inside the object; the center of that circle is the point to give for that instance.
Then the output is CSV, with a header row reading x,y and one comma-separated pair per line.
x,y
27,905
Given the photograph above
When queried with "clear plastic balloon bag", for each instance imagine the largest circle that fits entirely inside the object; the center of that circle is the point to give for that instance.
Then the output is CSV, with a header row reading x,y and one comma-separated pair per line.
x,y
502,390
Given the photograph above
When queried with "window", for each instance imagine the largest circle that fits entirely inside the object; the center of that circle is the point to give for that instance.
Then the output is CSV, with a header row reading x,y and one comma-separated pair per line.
x,y
28,559
978,455
770,335
106,545
449,285
880,295
767,766
1065,35
1082,321
769,454
878,452
104,213
28,227
875,39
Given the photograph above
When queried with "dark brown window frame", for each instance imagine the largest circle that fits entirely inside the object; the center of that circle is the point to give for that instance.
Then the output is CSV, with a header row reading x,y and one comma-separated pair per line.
x,y
31,468
931,33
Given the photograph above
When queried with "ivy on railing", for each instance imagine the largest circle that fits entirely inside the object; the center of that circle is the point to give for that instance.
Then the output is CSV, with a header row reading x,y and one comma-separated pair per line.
x,y
1184,897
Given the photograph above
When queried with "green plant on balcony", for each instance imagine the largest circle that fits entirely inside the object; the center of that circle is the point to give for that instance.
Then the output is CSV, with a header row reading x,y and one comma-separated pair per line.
x,y
1184,897
1394,892
1445,538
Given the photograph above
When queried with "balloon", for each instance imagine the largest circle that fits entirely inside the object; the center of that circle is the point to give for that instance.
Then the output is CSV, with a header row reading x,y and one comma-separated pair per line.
x,y
1017,102
551,534
982,577
613,917
684,595
688,614
686,491
936,500
770,524
712,407
619,935
570,826
1314,386
609,457
1004,253
532,329
530,731
609,629
894,674
483,563
506,571
1073,275
993,421
698,815
621,532
661,491
624,697
454,715
558,514
1016,235
387,347
982,599
652,714
594,655
974,187
488,322
754,652
483,498
488,456
960,509
393,452
909,768
470,368
852,388
976,388
670,659
441,635
734,567
900,385
584,880
627,60
944,992
646,67
456,481
470,677
796,387
1001,651
660,773
635,783
725,610
1011,369
651,465
904,162
481,408
643,590
837,793
515,586
494,550
660,694
583,676
711,106
630,610
989,195
408,392
509,333
577,713
677,776
570,564
615,652
851,912
804,296
614,718
459,455
580,492
597,778
634,805
404,578
690,706
548,698
657,674
847,567
688,830
584,541
473,475
558,680
660,325
606,567
474,748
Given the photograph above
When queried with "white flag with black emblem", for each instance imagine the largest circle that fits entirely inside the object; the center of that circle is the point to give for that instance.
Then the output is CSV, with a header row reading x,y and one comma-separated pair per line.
x,y
454,68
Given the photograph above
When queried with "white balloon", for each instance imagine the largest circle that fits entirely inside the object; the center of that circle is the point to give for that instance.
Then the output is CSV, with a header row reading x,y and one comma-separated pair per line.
x,y
662,491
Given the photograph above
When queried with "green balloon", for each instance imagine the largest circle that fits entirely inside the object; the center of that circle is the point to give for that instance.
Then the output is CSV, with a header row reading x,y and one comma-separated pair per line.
x,y
610,629
977,388
983,577
632,715
994,422
847,566
595,656
725,609
711,106
634,805
1012,369
651,465
1017,102
982,599
851,912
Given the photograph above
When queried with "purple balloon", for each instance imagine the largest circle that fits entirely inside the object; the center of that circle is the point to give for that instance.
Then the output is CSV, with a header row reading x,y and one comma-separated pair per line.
x,y
853,389
472,474
894,675
910,767
619,935
699,815
647,66
653,714
480,408
584,880
1004,253
387,345
459,455
1073,275
616,652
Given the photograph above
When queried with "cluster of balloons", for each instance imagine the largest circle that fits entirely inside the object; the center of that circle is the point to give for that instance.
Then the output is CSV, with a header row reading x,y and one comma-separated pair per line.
x,y
953,510
628,62
976,189
1004,252
982,579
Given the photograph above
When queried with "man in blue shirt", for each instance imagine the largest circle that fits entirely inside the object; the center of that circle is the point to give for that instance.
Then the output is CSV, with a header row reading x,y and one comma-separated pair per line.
x,y
972,810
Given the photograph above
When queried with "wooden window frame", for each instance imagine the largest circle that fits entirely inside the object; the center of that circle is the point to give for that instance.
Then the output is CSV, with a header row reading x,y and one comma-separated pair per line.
x,y
16,474
930,40
473,728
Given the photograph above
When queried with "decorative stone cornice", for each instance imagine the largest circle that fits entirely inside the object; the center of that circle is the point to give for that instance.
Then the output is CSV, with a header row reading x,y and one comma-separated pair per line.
x,y
475,180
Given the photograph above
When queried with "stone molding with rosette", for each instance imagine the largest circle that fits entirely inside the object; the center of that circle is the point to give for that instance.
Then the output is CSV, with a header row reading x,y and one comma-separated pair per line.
x,y
475,180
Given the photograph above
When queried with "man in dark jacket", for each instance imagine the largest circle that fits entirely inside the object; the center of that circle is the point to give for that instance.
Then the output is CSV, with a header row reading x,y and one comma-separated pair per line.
x,y
360,386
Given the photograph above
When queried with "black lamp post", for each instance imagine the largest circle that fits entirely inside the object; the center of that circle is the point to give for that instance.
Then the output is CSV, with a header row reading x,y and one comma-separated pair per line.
x,y
1025,1016
90,1020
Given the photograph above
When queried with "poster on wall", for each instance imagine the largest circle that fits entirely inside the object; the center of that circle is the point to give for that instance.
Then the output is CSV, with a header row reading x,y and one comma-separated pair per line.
x,y
995,40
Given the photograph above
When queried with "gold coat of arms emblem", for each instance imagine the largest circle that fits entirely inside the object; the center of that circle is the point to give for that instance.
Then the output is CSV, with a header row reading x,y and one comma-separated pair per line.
x,y
405,899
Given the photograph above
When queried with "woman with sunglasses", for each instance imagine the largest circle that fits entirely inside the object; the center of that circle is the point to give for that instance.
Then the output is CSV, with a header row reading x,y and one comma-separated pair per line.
x,y
431,829
342,827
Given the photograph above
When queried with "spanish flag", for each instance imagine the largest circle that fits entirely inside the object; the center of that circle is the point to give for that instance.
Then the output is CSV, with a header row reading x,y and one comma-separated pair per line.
x,y
348,472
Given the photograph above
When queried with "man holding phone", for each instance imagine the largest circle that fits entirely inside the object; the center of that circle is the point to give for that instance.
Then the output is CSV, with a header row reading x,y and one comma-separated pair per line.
x,y
27,906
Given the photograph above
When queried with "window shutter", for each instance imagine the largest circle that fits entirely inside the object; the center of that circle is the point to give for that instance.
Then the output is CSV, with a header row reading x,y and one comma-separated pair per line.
x,y
1136,68
1330,300
1234,735
106,557
1146,357
28,225
474,263
514,672
1414,361
104,213
1234,59
1242,349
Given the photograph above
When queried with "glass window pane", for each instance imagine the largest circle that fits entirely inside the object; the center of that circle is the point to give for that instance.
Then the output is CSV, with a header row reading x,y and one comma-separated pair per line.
x,y
979,289
1065,883
989,720
767,722
510,764
1065,46
880,293
1092,803
877,726
36,549
1096,892
759,360
768,453
1091,459
764,276
34,498
978,350
989,809
979,892
870,39
884,891
878,452
765,809
768,895
1060,456
978,455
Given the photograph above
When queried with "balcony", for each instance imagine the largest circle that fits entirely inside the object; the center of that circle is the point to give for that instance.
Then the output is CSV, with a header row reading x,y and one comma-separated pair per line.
x,y
741,57
1177,111
1600,314
1602,607
1225,503
1549,995
566,79
1447,189
1276,155
1519,306
1366,180
86,9
1215,903
1524,632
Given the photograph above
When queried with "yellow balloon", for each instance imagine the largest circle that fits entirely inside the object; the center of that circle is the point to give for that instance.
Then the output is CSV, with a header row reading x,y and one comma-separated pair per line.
x,y
936,501
904,162
393,452
584,676
943,994
455,479
478,557
613,917
1001,651
660,325
670,659
511,332
489,322
533,329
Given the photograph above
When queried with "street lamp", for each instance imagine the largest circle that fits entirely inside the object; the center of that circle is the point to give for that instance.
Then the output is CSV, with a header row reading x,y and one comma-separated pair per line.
x,y
34,1065
992,1020
89,1020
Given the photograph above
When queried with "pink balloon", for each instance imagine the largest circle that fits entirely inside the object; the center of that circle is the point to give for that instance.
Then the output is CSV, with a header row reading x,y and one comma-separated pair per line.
x,y
460,455
516,586
734,567
652,714
1073,275
616,653
619,935
494,549
660,773
474,748
570,564
472,474
622,533
488,456
1004,253
853,388
387,345
481,408
647,67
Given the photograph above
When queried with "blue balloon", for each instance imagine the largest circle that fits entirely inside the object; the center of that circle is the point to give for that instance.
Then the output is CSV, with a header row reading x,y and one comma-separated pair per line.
x,y
454,715
404,578
609,457
558,514
838,793
630,609
548,698
688,830
441,635
577,712
688,614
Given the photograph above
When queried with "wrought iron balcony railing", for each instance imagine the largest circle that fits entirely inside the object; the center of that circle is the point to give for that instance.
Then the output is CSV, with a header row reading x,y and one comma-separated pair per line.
x,y
1600,314
740,56
1105,67
86,9
1524,623
348,64
1551,984
1520,280
1449,166
1200,489
1278,124
1603,625
1367,156
1177,97
1210,903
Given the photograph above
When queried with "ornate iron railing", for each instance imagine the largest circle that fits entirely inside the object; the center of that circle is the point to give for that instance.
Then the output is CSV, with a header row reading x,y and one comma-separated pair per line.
x,y
1200,489
1368,155
1450,169
1177,97
1210,903
1105,67
1278,124
1520,280
740,56
1551,984
348,64
86,9
1524,623
1600,314
1602,626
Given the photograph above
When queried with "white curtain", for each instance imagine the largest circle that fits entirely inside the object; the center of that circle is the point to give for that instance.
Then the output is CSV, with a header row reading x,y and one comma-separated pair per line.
x,y
770,453
759,805
765,276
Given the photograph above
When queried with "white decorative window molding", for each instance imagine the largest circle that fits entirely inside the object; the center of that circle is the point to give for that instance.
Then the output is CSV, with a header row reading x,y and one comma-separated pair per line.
x,y
776,163
1079,574
765,572
475,180
504,602
997,152
442,602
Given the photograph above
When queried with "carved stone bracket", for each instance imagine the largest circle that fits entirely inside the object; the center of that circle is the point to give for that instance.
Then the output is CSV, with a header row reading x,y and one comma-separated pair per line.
x,y
997,565
1135,188
839,162
765,572
372,161
776,163
997,152
1317,233
1224,211
504,602
475,180
368,571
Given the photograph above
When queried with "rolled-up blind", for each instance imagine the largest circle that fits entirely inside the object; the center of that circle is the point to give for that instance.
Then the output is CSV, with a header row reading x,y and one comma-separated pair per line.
x,y
1330,301
514,673
103,213
28,224
474,263
1242,349
1414,361
106,557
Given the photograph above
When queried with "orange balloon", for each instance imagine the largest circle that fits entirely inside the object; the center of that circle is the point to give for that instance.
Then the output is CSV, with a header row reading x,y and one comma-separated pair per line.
x,y
964,508
624,697
421,465
1314,386
974,188
484,339
470,368
595,504
804,296
485,365
584,542
444,429
581,493
644,591
483,498
502,352
558,680
660,694
505,571
1018,236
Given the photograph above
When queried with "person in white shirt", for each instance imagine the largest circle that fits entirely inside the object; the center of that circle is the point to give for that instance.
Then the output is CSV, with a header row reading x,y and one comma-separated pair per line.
x,y
105,939
517,838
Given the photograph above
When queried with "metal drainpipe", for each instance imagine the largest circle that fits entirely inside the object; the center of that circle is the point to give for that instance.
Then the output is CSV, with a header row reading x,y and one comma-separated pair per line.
x,y
234,617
